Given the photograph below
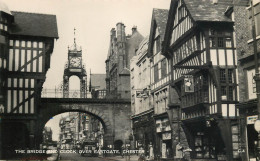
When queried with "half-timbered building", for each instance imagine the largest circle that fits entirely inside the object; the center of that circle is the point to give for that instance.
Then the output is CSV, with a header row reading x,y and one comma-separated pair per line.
x,y
27,41
199,43
160,79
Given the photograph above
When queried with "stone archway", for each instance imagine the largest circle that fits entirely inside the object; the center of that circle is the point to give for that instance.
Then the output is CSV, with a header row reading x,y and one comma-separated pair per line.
x,y
46,115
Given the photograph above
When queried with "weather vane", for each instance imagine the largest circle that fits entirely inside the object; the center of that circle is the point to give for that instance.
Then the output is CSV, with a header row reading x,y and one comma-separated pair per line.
x,y
74,35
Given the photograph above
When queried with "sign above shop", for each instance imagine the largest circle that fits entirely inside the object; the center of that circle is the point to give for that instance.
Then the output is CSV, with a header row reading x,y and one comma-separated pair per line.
x,y
251,119
188,83
142,94
166,136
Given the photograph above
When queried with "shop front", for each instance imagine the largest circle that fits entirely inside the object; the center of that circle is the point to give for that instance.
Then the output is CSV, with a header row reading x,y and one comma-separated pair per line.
x,y
211,139
143,129
164,138
249,136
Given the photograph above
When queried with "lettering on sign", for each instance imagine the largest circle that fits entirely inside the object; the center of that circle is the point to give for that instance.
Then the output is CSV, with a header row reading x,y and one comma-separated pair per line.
x,y
251,119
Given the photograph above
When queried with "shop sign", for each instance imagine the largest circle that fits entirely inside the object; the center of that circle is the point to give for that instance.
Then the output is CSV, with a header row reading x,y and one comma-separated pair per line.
x,y
251,119
158,126
188,83
142,94
166,136
163,150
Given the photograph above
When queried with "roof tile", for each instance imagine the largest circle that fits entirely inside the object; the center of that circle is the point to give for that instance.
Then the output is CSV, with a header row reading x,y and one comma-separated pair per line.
x,y
34,24
206,10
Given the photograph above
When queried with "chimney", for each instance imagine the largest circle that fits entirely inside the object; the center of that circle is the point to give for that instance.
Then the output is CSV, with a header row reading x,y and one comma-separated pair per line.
x,y
123,33
215,1
119,31
112,33
134,29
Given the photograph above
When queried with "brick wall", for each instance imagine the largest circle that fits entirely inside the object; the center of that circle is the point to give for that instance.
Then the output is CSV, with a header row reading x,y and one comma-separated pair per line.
x,y
241,29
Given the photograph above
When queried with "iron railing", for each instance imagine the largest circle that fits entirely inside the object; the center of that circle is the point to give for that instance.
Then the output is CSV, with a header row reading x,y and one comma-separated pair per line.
x,y
97,94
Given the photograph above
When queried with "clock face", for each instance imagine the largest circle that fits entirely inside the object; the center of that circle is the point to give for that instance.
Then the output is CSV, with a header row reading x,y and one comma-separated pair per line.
x,y
75,62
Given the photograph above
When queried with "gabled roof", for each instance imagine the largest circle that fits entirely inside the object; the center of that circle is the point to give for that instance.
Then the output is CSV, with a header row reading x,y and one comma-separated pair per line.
x,y
200,11
4,8
98,81
161,16
206,10
159,19
34,24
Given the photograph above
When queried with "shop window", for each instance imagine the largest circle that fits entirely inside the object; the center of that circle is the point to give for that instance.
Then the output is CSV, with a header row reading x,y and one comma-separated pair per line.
x,y
235,140
203,146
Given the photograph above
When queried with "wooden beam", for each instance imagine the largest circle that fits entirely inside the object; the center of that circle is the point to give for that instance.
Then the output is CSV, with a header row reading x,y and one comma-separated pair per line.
x,y
191,67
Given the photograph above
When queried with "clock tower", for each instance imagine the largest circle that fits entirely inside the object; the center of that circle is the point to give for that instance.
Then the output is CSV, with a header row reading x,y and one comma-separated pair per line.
x,y
74,67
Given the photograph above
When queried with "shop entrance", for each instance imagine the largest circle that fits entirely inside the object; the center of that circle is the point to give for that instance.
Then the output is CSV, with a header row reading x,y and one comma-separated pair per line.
x,y
206,141
251,141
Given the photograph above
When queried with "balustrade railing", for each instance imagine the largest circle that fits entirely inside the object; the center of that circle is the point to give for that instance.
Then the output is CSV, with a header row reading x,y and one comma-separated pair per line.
x,y
97,94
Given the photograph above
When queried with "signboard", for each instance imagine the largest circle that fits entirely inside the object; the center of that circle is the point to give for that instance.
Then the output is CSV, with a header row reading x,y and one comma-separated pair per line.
x,y
142,94
251,119
75,70
163,150
188,83
166,136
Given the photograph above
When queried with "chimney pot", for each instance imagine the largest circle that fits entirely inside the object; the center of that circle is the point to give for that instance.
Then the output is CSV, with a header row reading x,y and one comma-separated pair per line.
x,y
134,28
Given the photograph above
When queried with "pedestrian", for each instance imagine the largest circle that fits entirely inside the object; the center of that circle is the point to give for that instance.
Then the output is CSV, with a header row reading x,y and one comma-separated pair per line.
x,y
122,151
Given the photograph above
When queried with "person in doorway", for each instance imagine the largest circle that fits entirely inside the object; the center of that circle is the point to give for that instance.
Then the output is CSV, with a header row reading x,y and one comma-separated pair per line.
x,y
179,151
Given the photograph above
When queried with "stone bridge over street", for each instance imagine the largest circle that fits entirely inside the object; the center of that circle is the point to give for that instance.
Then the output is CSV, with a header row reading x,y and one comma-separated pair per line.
x,y
113,113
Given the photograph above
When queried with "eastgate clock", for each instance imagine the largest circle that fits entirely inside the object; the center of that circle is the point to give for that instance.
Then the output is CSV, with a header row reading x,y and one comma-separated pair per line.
x,y
75,62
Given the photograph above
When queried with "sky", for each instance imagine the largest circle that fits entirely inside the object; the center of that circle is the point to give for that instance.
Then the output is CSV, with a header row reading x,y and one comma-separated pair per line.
x,y
93,20
53,123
